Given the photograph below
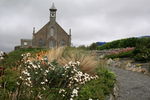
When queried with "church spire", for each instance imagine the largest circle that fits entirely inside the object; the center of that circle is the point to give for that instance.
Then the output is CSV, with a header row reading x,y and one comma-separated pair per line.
x,y
53,7
53,13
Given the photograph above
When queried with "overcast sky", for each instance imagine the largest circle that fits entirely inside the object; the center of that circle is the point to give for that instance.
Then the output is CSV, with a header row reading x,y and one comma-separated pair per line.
x,y
90,20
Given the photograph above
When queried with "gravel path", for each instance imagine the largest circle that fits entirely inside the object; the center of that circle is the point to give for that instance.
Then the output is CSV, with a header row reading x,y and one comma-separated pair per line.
x,y
132,85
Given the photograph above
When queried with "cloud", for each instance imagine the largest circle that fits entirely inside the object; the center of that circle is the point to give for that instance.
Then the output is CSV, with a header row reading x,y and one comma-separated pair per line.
x,y
90,20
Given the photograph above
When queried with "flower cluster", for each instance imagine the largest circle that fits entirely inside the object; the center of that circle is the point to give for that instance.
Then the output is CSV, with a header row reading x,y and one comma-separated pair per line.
x,y
78,77
45,76
1,55
117,51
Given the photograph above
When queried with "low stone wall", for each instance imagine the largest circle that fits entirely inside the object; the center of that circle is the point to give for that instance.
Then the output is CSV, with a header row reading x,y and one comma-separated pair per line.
x,y
130,65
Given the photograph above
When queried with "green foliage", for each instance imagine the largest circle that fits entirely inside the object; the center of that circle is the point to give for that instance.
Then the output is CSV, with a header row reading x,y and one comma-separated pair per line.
x,y
143,43
98,89
8,82
121,55
42,79
93,46
13,58
142,54
142,51
83,47
123,43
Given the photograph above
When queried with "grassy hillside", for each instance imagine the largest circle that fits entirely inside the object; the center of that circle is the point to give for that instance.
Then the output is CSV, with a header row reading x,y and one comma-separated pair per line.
x,y
128,42
123,43
141,51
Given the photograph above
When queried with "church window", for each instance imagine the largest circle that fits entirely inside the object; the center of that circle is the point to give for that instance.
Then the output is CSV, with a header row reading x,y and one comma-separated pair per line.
x,y
52,44
25,43
62,43
41,42
51,32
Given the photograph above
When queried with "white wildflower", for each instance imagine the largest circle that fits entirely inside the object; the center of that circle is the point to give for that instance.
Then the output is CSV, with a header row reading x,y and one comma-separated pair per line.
x,y
61,90
43,88
75,92
34,66
29,78
17,83
29,67
71,99
20,77
78,63
46,71
46,80
42,82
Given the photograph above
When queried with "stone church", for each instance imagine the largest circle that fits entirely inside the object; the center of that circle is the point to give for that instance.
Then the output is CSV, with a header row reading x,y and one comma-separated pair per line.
x,y
51,35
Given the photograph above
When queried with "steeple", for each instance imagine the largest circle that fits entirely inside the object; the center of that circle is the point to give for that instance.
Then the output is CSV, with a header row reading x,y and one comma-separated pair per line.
x,y
53,7
53,13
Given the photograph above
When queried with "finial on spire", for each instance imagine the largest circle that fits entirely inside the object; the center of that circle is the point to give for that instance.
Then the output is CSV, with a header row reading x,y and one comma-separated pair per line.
x,y
70,31
53,8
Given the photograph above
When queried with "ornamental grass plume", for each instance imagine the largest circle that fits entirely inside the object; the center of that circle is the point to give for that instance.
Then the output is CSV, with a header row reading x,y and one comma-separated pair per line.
x,y
88,63
54,54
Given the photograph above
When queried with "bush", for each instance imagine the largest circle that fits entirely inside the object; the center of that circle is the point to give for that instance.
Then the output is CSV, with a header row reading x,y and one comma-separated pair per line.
x,y
122,43
38,77
98,89
121,55
51,79
8,83
13,58
142,51
142,55
93,46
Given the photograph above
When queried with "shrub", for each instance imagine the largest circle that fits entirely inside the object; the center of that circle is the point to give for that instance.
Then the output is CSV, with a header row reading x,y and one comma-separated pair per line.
x,y
13,58
142,55
122,43
51,79
98,89
38,77
8,84
93,46
120,55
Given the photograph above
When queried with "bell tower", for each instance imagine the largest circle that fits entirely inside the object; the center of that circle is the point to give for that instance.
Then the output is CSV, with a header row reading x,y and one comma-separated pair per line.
x,y
53,13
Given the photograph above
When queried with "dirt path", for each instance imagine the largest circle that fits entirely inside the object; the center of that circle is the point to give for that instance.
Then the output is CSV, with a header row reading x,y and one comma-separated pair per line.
x,y
132,85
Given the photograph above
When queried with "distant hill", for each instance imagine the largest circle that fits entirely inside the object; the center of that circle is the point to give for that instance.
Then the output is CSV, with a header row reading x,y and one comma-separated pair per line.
x,y
100,43
147,36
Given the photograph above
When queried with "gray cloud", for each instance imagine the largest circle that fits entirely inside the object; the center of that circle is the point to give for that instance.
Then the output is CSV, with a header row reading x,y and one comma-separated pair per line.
x,y
90,20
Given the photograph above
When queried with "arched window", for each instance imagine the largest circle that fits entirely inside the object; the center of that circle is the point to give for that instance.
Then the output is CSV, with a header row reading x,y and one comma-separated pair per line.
x,y
51,32
62,43
52,44
41,42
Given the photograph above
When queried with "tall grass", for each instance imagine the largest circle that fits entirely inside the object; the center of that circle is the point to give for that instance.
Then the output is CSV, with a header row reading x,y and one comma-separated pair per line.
x,y
88,63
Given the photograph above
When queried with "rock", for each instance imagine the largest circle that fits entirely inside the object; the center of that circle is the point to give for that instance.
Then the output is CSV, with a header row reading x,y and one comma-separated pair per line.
x,y
101,56
110,61
128,64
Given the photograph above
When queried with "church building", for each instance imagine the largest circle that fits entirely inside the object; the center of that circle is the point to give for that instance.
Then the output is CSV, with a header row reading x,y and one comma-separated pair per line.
x,y
51,35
